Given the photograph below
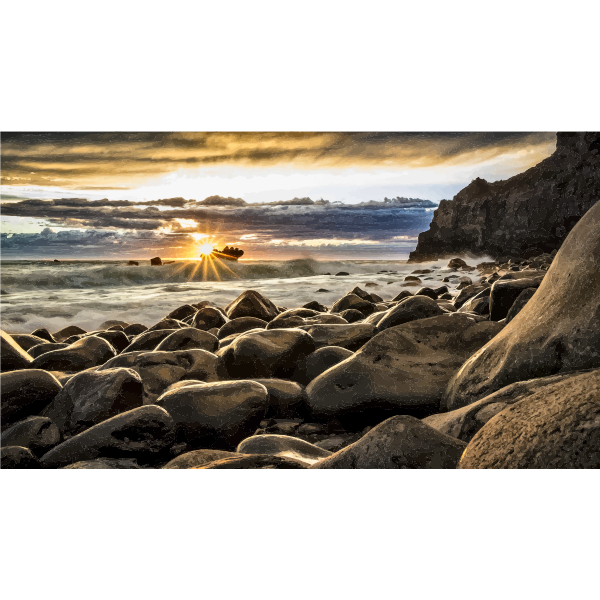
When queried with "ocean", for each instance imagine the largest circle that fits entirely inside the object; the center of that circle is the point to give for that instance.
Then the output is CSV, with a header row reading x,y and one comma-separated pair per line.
x,y
36,293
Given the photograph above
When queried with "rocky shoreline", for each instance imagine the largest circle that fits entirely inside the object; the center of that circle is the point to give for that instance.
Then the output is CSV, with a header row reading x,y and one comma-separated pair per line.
x,y
497,367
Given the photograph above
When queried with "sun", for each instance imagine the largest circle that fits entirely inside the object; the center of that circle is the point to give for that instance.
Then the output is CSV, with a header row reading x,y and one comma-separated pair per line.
x,y
205,249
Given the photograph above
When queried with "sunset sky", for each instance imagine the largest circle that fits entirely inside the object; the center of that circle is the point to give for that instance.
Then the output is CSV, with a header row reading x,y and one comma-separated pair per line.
x,y
135,195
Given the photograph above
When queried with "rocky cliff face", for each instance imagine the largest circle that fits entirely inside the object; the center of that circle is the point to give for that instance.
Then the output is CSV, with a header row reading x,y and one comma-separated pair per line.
x,y
526,215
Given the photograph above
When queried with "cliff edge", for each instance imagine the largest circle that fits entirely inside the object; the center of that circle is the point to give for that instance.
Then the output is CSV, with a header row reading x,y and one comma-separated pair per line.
x,y
526,215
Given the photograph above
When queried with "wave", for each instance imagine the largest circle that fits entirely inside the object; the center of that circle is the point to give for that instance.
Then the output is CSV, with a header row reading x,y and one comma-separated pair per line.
x,y
30,275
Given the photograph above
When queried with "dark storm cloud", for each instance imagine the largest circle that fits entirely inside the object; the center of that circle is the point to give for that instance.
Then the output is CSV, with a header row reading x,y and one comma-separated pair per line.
x,y
86,160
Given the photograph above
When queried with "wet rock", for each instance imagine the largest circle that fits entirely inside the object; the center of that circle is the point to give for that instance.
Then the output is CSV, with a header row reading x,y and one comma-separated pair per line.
x,y
456,263
468,293
557,427
240,325
427,291
402,295
156,261
342,274
322,290
463,423
39,434
105,463
43,348
288,322
286,398
227,341
283,446
12,356
352,315
401,442
352,336
410,309
111,323
117,339
504,293
134,329
326,319
43,333
198,458
159,370
144,433
557,330
207,318
27,341
267,354
353,301
255,461
412,278
17,457
314,305
522,299
311,429
182,312
334,443
252,304
318,362
479,305
188,339
407,367
166,324
83,354
149,340
91,397
67,332
216,415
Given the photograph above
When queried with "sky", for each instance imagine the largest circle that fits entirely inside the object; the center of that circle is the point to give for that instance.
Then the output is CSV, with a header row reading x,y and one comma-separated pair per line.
x,y
276,195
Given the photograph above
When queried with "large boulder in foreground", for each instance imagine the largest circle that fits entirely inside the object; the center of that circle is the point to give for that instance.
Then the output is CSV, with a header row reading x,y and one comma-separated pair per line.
x,y
216,415
26,392
144,433
12,356
285,446
558,427
267,354
39,434
401,442
83,354
463,423
557,331
403,368
159,370
91,397
252,304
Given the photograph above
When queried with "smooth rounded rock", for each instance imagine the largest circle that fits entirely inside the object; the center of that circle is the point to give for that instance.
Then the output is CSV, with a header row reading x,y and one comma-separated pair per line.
x,y
400,442
208,318
198,458
352,315
284,446
410,309
188,339
149,340
352,336
43,333
287,399
355,302
105,463
241,325
522,299
182,312
45,347
504,293
67,332
12,356
27,341
216,415
17,457
252,304
39,434
255,461
318,362
83,354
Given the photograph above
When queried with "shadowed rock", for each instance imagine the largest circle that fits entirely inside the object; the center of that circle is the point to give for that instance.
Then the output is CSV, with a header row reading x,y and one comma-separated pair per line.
x,y
188,339
27,341
255,461
43,333
105,463
182,312
355,302
352,336
252,304
149,340
43,348
284,446
208,318
12,356
198,458
17,457
67,332
287,399
83,354
504,293
240,325
410,309
318,362
39,434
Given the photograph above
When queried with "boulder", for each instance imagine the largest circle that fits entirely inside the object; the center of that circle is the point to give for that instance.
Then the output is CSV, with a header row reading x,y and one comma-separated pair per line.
x,y
288,322
12,356
522,299
342,274
470,292
400,442
158,370
318,362
117,339
557,330
217,415
402,295
198,458
149,340
479,305
91,397
67,332
404,368
156,261
105,463
557,427
326,319
240,325
182,312
427,291
83,354
166,324
353,301
207,318
25,393
252,304
27,341
463,423
255,461
17,457
410,309
504,293
43,333
284,446
188,339
134,329
352,315
234,336
287,399
456,263
43,348
113,323
39,434
145,433
352,336
314,305
267,354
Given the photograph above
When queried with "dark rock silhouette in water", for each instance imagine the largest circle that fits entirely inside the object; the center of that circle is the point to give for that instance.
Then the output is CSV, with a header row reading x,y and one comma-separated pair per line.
x,y
156,261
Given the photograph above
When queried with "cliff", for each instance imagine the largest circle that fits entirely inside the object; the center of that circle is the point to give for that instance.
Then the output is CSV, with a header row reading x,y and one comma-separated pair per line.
x,y
523,216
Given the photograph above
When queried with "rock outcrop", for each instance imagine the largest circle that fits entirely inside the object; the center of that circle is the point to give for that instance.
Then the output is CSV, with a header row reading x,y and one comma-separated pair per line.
x,y
525,215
